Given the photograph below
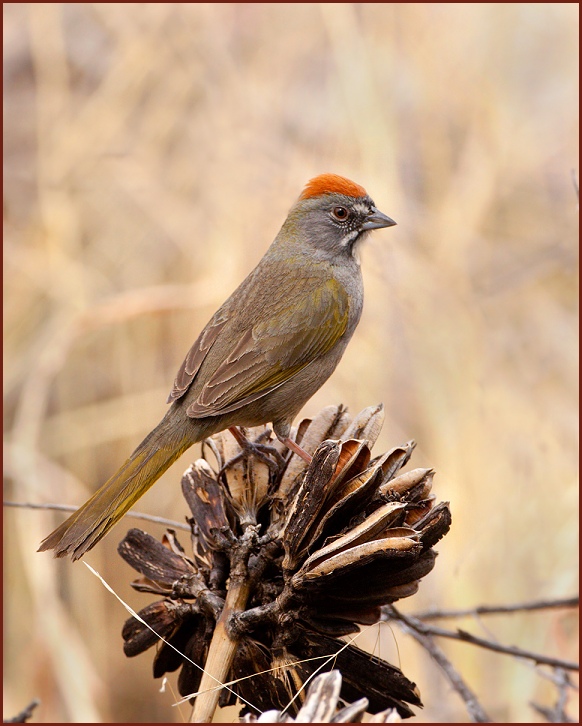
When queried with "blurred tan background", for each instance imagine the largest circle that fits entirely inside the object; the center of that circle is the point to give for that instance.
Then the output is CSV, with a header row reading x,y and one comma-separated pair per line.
x,y
151,154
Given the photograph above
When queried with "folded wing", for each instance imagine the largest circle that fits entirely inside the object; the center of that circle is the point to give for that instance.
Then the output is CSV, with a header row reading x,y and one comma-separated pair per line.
x,y
266,354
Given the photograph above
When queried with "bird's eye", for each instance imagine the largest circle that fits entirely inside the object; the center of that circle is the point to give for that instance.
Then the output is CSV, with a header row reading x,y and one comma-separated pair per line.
x,y
340,213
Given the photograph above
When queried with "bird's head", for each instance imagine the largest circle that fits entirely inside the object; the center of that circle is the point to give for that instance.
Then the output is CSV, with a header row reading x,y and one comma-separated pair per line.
x,y
333,215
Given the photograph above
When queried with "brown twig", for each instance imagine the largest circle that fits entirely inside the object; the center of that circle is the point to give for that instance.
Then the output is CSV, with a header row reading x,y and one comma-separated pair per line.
x,y
557,714
474,708
131,513
566,602
24,715
463,635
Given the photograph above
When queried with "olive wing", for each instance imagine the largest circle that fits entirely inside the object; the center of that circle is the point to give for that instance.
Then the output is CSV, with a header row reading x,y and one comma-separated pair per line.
x,y
273,350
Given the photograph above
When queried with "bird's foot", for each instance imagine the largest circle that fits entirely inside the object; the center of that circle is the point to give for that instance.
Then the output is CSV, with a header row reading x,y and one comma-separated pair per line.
x,y
264,452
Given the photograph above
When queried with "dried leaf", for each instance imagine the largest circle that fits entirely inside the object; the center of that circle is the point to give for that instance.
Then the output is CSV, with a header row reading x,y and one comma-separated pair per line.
x,y
352,713
390,715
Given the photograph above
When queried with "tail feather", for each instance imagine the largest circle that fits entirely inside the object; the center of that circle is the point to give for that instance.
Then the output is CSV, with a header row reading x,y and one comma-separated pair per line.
x,y
85,527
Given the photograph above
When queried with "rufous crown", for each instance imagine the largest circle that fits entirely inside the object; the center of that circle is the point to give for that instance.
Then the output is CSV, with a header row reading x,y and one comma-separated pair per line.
x,y
332,184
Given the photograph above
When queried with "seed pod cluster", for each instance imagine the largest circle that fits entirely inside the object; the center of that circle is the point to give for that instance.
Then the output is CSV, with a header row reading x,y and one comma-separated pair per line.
x,y
314,552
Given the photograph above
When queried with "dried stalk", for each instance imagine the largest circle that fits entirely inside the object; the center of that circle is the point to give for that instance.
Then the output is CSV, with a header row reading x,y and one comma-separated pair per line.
x,y
224,641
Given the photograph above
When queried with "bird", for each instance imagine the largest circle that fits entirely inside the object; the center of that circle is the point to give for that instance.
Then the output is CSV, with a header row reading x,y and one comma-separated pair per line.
x,y
262,355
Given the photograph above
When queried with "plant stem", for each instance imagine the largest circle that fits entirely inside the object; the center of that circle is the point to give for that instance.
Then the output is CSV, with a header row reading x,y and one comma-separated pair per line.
x,y
224,643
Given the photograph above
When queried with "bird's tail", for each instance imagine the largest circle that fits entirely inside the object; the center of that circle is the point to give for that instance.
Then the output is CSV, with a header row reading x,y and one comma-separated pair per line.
x,y
85,527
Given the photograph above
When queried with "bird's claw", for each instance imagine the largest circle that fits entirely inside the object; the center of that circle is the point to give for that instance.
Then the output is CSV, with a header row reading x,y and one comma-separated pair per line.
x,y
266,453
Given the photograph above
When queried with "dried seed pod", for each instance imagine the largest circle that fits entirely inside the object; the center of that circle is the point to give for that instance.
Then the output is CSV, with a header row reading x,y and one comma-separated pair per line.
x,y
207,502
347,497
434,525
343,562
266,689
329,423
373,529
385,685
366,426
196,651
164,617
415,484
417,510
354,456
149,557
309,500
372,585
287,566
395,459
351,457
321,705
248,476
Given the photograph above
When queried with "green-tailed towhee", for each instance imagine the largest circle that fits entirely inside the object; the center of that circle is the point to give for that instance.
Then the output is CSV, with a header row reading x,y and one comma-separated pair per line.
x,y
264,353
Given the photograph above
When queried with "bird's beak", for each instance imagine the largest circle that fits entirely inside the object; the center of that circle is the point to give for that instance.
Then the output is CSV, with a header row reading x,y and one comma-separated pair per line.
x,y
377,219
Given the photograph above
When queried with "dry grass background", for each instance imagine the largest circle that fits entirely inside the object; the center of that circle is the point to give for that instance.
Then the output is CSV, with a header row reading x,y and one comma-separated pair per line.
x,y
151,154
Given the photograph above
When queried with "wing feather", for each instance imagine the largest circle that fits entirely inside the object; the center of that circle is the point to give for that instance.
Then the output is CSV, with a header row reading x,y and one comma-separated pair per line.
x,y
270,352
195,357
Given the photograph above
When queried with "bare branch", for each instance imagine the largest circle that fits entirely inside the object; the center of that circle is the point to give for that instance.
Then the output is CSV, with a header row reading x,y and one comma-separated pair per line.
x,y
474,708
557,714
462,635
24,715
131,513
566,602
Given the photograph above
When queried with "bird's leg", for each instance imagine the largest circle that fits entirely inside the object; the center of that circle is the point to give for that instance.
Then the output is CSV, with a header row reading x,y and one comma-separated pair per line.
x,y
296,449
282,430
264,452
